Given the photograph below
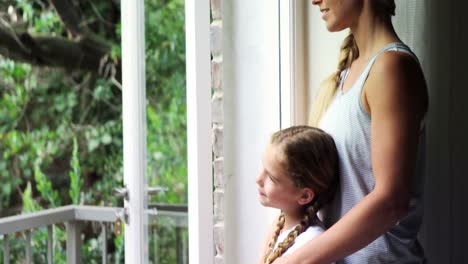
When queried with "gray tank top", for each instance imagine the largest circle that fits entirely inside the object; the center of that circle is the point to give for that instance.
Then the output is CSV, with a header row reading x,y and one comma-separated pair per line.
x,y
350,125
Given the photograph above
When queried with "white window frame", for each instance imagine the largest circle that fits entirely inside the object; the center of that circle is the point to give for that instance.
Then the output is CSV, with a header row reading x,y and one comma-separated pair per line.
x,y
294,99
200,205
199,146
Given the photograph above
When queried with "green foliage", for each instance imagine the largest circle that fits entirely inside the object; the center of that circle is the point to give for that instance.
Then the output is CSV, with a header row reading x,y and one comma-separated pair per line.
x,y
44,186
76,182
166,111
29,204
61,129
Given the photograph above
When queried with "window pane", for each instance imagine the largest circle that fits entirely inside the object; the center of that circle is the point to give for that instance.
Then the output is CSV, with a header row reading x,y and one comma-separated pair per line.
x,y
166,126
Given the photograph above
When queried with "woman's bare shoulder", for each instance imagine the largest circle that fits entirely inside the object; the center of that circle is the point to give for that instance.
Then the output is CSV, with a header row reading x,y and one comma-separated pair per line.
x,y
393,64
398,75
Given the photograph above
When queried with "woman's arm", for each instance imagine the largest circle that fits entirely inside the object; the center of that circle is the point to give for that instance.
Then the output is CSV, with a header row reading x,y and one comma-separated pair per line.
x,y
396,97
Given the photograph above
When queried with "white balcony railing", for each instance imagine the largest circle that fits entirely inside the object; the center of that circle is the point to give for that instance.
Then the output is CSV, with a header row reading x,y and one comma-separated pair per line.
x,y
73,217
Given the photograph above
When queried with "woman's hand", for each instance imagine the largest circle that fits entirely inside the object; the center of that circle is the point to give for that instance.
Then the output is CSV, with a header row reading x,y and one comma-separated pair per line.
x,y
285,260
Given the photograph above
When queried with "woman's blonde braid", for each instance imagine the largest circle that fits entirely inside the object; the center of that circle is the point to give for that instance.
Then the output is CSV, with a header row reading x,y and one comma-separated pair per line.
x,y
349,53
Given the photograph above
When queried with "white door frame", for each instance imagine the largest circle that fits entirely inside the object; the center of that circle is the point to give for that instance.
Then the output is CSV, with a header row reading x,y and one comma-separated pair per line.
x,y
198,131
200,183
134,130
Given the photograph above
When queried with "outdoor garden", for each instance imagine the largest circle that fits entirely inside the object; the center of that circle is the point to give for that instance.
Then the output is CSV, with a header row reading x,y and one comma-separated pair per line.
x,y
61,115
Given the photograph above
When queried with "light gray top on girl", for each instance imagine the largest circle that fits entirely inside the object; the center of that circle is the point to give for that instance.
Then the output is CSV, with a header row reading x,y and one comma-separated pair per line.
x,y
350,125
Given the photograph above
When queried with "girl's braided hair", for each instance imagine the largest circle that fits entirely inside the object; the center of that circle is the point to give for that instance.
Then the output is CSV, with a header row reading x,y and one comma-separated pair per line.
x,y
310,159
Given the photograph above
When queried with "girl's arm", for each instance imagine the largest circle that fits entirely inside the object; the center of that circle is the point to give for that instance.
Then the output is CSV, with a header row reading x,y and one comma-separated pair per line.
x,y
396,97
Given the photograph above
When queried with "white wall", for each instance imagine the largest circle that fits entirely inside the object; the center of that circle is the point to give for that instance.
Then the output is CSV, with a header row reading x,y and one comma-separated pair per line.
x,y
323,49
438,33
251,98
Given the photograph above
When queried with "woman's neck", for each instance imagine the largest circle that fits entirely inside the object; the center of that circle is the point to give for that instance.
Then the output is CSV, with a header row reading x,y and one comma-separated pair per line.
x,y
371,33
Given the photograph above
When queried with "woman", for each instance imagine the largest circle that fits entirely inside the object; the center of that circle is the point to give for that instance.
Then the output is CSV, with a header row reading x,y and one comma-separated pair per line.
x,y
373,106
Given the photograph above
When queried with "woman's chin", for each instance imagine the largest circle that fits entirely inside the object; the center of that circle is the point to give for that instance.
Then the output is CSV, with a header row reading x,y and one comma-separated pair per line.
x,y
333,27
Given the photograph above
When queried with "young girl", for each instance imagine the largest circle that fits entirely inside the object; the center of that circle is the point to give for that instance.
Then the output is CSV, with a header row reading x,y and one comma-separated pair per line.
x,y
299,175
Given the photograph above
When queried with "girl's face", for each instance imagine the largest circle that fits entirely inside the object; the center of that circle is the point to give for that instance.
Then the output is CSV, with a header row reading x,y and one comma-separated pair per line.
x,y
339,14
275,188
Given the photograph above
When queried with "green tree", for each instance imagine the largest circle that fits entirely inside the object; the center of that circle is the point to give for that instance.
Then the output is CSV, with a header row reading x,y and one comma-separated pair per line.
x,y
61,105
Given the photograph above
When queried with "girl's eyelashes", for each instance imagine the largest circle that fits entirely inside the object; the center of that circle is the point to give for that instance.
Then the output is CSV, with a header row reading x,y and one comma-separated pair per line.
x,y
273,179
269,176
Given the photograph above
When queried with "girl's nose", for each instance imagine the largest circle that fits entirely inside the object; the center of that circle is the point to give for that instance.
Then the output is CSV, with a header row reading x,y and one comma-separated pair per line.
x,y
259,178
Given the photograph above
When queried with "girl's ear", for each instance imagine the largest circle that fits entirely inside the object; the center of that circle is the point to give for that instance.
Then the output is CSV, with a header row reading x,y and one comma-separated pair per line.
x,y
307,195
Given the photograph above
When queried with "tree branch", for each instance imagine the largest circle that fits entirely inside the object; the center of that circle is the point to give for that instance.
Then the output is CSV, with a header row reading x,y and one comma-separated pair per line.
x,y
70,18
84,54
9,38
88,53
